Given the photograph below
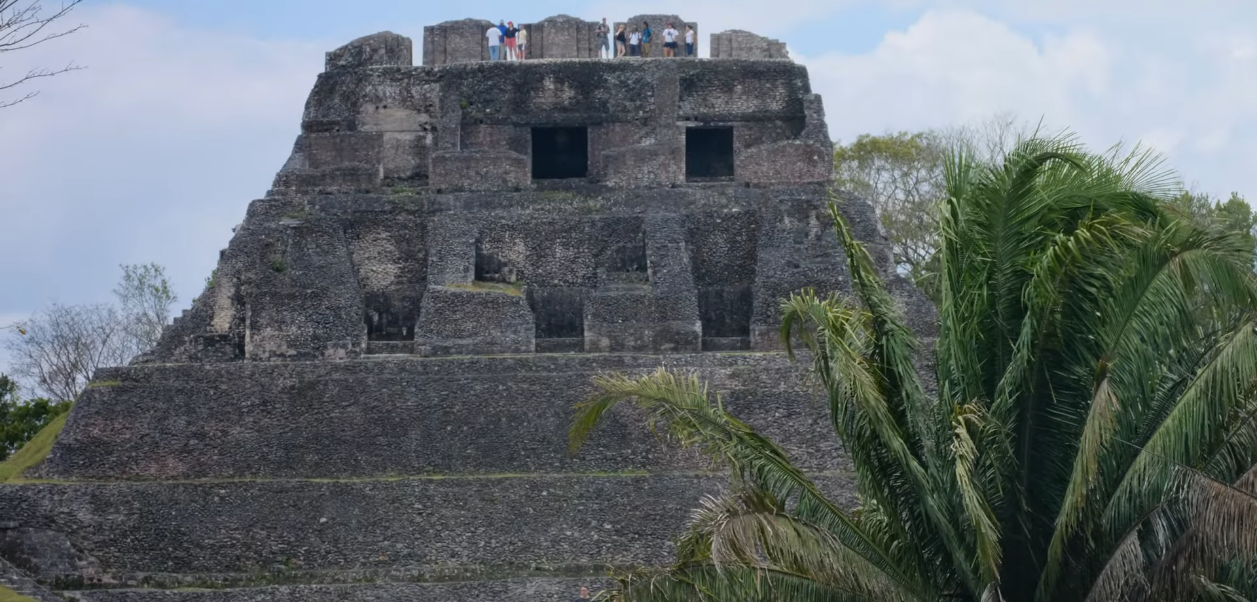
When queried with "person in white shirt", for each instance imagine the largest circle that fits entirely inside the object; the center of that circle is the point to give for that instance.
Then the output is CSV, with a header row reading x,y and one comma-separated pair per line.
x,y
670,42
521,44
495,42
689,41
635,43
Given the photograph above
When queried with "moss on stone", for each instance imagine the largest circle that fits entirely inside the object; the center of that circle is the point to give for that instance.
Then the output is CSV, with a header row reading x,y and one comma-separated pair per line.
x,y
8,595
32,454
516,289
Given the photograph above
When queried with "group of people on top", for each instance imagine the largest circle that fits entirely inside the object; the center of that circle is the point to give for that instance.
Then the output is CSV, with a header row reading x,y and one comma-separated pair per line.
x,y
507,42
638,41
510,43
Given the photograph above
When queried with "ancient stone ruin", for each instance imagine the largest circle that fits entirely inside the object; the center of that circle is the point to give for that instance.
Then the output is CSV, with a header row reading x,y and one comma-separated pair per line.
x,y
371,398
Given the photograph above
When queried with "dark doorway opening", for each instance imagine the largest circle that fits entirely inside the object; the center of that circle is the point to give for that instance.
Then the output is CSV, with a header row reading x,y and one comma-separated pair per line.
x,y
560,319
726,316
560,153
708,152
389,318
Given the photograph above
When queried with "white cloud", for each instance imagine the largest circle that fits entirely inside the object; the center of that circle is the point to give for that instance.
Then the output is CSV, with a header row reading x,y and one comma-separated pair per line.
x,y
150,154
1189,97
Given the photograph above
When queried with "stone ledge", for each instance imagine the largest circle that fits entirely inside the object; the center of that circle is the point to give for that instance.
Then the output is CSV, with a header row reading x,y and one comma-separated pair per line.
x,y
390,415
533,589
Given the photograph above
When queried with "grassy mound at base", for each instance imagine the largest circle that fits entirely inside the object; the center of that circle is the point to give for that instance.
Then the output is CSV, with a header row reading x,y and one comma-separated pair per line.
x,y
8,595
31,454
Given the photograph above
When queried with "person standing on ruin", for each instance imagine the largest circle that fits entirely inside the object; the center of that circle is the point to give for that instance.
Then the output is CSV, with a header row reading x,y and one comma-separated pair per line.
x,y
635,43
495,40
670,36
521,43
602,32
689,40
621,42
509,36
501,40
646,35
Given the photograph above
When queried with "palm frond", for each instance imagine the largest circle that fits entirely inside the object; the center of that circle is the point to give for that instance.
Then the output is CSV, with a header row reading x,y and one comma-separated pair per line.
x,y
693,420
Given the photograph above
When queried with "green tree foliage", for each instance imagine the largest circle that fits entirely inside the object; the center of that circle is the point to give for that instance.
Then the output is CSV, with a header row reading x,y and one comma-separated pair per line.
x,y
1092,434
20,420
901,175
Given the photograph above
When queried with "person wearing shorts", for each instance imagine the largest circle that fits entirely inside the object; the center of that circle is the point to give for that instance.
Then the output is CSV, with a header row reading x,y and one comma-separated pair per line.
x,y
689,41
509,36
621,42
603,44
670,36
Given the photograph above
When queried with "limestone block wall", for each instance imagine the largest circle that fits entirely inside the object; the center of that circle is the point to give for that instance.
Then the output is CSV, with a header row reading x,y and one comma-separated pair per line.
x,y
405,416
378,50
562,37
368,130
456,42
739,44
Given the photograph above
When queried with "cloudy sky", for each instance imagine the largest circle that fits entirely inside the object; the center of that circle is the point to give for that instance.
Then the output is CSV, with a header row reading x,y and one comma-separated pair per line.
x,y
188,108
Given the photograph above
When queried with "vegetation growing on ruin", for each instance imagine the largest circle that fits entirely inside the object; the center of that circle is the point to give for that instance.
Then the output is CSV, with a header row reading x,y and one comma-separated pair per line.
x,y
34,452
1093,435
515,289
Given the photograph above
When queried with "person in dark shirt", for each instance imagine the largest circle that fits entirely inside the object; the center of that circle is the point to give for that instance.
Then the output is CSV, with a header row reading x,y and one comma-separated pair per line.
x,y
509,36
646,34
584,594
621,41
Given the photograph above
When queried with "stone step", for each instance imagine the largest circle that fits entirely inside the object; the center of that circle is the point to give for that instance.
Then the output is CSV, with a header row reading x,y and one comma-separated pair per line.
x,y
242,532
554,589
403,416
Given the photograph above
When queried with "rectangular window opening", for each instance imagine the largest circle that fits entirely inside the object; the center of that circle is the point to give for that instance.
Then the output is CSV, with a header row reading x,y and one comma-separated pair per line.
x,y
708,152
560,153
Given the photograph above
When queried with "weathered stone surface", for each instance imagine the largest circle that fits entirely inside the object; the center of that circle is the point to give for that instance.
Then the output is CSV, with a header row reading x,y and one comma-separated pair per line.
x,y
456,42
535,589
378,50
406,417
739,44
295,436
323,531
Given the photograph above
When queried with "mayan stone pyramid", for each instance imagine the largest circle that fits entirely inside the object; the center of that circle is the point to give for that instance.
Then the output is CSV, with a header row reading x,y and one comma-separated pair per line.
x,y
371,399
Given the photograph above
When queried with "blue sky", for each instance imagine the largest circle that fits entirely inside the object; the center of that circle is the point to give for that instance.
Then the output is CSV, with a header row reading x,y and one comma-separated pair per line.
x,y
188,108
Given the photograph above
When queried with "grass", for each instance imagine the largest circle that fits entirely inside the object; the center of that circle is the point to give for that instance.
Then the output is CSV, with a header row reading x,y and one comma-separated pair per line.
x,y
8,595
516,290
104,383
31,454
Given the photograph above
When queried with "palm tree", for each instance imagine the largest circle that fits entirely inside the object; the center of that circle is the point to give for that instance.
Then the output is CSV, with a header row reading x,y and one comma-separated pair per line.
x,y
1092,433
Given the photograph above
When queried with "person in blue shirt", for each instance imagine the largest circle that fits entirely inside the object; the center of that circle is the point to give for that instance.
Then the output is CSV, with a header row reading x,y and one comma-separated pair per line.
x,y
646,40
502,40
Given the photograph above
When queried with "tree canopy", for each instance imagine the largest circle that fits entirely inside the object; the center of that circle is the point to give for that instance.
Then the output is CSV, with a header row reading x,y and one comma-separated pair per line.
x,y
1092,434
